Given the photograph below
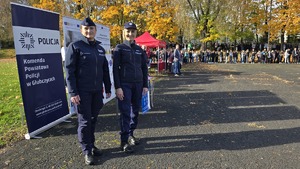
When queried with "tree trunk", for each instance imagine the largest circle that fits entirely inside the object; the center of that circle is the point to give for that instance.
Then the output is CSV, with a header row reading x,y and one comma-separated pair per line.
x,y
242,44
282,41
235,42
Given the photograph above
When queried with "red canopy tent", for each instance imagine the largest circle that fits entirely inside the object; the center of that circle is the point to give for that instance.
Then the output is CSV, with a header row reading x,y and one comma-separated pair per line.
x,y
149,41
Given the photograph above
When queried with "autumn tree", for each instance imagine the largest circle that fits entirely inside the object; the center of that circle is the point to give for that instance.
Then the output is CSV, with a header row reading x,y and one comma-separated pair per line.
x,y
149,15
205,20
5,23
185,22
234,24
276,18
51,5
6,32
289,15
160,20
285,20
205,13
154,16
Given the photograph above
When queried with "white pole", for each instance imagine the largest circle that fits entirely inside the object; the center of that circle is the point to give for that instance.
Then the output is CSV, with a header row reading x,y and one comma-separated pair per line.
x,y
158,60
48,126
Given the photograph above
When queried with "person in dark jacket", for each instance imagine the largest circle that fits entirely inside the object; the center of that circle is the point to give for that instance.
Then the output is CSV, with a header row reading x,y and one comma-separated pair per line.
x,y
86,71
235,56
131,81
295,55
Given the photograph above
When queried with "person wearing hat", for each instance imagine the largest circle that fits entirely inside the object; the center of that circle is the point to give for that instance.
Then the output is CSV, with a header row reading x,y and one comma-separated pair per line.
x,y
86,71
131,81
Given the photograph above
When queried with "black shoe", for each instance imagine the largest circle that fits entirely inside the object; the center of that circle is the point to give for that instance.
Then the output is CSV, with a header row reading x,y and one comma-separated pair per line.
x,y
133,140
89,159
126,148
96,151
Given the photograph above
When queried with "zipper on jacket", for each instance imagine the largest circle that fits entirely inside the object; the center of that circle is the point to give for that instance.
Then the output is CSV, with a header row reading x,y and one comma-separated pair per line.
x,y
132,52
95,54
124,73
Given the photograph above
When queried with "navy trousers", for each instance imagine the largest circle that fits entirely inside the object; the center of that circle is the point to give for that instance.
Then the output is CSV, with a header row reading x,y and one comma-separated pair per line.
x,y
129,109
88,111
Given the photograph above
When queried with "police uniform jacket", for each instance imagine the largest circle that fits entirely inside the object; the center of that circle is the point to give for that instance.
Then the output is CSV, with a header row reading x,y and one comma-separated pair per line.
x,y
130,64
86,67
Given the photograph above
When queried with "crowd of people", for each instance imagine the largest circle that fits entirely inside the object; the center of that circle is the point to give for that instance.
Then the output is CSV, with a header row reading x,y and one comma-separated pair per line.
x,y
175,57
246,56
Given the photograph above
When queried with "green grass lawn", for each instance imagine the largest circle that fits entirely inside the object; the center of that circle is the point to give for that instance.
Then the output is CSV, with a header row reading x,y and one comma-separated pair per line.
x,y
13,125
7,53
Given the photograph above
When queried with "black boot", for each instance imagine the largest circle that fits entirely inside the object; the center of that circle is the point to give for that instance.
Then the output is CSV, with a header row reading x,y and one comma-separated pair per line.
x,y
89,159
133,140
126,147
96,151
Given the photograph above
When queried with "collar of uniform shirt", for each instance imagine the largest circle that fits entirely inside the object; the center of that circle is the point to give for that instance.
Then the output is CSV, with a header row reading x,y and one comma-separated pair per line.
x,y
126,42
90,42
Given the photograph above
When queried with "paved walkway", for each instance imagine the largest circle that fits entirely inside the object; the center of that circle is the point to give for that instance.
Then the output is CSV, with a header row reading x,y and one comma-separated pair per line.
x,y
214,116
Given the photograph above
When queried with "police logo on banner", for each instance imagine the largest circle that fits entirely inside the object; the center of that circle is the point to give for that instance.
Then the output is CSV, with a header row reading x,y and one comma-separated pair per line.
x,y
27,40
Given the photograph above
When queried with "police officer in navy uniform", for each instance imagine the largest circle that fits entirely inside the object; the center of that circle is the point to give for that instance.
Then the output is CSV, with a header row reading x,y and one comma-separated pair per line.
x,y
86,71
131,81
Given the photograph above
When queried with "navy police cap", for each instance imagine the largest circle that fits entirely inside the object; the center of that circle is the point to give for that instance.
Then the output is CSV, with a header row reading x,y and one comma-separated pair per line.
x,y
129,25
88,22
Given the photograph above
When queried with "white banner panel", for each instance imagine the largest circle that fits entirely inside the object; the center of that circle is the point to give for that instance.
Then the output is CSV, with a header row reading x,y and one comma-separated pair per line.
x,y
35,40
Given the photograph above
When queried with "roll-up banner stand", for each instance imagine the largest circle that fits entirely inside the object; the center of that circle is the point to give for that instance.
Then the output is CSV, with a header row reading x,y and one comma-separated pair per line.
x,y
37,45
